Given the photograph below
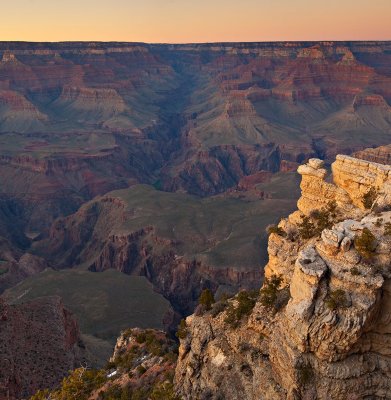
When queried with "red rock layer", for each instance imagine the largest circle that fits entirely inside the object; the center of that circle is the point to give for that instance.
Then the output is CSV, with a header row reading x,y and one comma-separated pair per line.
x,y
39,343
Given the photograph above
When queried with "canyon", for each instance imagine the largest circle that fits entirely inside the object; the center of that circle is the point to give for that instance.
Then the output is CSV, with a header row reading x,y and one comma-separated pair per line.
x,y
318,328
158,167
80,119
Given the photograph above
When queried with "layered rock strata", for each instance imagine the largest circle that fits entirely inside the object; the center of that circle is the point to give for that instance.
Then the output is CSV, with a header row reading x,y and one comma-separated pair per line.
x,y
329,339
40,343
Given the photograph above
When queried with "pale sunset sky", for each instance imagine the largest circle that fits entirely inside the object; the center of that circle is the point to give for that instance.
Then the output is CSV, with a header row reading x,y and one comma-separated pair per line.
x,y
179,21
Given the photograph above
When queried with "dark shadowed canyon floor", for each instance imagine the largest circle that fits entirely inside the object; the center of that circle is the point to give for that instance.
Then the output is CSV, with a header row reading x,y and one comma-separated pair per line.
x,y
104,304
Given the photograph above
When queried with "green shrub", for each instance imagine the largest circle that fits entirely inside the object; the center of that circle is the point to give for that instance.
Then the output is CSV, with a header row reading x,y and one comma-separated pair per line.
x,y
325,217
79,384
365,244
269,291
141,370
141,337
41,395
219,307
355,271
206,299
245,303
305,374
336,299
140,394
379,222
322,220
163,391
275,229
306,228
182,330
369,198
126,361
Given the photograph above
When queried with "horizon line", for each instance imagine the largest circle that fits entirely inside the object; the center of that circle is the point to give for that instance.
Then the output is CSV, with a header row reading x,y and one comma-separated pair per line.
x,y
195,42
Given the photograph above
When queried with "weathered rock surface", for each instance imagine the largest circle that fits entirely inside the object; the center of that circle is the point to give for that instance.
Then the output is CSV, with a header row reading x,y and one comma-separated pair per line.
x,y
380,155
330,339
142,367
14,270
149,351
39,343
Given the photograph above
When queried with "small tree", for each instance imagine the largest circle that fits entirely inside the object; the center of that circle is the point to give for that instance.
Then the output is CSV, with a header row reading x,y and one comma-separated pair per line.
x,y
305,374
275,229
268,293
369,198
245,303
336,299
206,299
182,330
387,229
306,228
365,244
325,217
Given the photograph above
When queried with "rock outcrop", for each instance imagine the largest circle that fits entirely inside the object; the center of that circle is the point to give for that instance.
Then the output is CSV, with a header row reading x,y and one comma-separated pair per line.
x,y
13,271
40,343
380,155
325,332
142,360
142,367
129,231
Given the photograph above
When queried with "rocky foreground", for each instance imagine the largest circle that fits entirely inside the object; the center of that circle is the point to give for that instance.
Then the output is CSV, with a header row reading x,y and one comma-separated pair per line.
x,y
39,344
317,329
320,326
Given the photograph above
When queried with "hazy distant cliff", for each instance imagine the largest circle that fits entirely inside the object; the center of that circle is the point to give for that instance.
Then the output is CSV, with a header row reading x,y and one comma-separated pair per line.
x,y
81,119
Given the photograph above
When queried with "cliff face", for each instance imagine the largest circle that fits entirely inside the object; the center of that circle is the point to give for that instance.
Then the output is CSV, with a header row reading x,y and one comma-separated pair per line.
x,y
39,343
80,119
325,332
142,367
381,155
142,231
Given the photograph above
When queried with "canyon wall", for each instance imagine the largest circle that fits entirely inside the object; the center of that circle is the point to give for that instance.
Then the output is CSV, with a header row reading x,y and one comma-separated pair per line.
x,y
80,119
40,342
325,334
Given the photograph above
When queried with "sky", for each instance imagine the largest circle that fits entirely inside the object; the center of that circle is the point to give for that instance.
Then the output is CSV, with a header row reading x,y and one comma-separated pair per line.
x,y
184,21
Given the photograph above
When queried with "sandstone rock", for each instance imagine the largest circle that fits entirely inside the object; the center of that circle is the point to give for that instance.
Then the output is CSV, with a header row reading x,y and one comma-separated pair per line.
x,y
358,176
309,270
316,163
380,155
346,243
332,237
312,171
334,328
